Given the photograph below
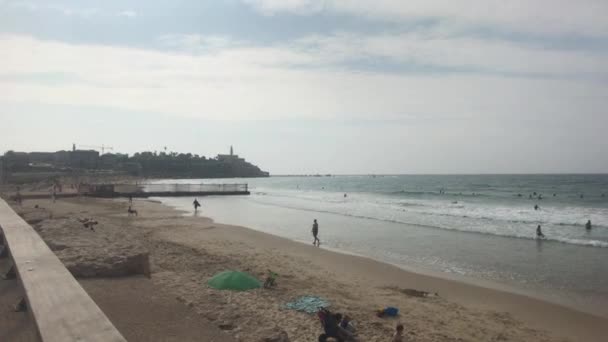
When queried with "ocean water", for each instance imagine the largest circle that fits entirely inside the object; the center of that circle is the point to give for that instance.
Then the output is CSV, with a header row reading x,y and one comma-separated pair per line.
x,y
474,226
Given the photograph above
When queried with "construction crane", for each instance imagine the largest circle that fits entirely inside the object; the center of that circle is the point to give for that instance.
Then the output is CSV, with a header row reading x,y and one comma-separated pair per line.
x,y
103,148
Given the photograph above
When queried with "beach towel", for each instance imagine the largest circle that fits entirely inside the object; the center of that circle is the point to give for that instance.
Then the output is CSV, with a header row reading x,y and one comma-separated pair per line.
x,y
388,311
308,304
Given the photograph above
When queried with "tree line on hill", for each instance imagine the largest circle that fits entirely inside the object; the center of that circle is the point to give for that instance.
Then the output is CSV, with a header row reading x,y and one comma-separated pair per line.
x,y
146,164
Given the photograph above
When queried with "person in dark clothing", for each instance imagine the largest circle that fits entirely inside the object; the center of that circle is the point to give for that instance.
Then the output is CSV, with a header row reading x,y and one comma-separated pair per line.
x,y
588,225
539,233
315,233
332,328
196,204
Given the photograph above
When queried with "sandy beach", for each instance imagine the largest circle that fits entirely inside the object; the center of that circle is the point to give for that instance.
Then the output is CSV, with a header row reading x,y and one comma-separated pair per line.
x,y
185,251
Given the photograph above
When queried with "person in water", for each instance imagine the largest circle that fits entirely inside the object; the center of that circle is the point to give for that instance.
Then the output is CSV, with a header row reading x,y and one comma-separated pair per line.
x,y
588,225
536,207
315,233
196,204
539,233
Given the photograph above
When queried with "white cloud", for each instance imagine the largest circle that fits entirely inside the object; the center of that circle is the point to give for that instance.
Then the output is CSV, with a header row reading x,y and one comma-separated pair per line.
x,y
196,43
67,11
251,82
422,49
538,16
128,14
269,7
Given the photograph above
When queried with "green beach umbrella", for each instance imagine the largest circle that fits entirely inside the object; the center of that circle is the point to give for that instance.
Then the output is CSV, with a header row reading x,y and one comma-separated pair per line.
x,y
233,280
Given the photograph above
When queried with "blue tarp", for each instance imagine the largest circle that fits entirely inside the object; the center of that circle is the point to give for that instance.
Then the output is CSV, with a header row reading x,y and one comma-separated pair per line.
x,y
308,304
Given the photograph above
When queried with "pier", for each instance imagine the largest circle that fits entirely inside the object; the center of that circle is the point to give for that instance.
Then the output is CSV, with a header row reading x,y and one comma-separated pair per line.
x,y
139,191
176,190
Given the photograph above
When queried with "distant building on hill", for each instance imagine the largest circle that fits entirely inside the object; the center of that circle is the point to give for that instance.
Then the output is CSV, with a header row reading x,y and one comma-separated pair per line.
x,y
234,166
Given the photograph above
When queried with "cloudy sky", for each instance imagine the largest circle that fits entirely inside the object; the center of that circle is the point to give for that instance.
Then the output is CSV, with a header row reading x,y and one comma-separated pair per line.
x,y
304,86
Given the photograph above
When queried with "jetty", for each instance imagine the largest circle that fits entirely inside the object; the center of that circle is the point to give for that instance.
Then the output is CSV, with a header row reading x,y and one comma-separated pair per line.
x,y
168,190
141,190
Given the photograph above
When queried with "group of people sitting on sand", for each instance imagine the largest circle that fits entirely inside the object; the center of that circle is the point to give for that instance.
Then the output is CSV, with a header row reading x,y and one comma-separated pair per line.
x,y
341,329
336,326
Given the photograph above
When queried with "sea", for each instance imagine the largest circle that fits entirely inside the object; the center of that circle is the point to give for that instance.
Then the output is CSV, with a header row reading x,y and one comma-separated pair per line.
x,y
474,228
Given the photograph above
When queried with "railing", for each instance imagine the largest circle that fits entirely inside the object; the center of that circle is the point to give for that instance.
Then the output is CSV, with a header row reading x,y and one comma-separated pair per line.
x,y
176,187
59,306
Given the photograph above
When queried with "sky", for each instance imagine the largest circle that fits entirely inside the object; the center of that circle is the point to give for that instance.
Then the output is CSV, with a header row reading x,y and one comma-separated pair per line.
x,y
314,86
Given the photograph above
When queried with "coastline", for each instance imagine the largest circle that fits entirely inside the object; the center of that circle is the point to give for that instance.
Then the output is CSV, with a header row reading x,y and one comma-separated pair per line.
x,y
185,251
537,312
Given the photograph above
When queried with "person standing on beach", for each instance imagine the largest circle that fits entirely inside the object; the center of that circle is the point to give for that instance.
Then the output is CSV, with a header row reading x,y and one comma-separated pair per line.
x,y
398,336
18,198
539,233
196,204
315,232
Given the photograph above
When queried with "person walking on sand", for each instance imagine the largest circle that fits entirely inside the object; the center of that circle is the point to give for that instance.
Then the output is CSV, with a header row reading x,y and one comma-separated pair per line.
x,y
539,233
196,204
588,225
315,233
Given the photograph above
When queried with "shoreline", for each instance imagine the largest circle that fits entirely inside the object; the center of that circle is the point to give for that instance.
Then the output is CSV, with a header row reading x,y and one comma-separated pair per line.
x,y
185,251
575,301
542,314
478,282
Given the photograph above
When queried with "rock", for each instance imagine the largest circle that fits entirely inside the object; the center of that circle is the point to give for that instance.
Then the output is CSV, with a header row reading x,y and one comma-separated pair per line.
x,y
275,335
34,216
226,326
115,266
86,254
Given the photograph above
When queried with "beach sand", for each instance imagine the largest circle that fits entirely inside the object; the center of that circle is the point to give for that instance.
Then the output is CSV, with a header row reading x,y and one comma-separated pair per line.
x,y
184,251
